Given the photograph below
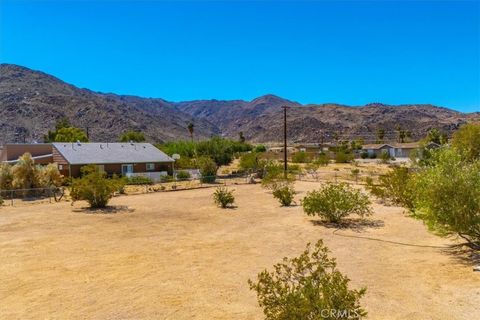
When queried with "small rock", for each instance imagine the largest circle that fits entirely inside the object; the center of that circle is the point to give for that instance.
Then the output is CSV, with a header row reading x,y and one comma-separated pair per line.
x,y
476,268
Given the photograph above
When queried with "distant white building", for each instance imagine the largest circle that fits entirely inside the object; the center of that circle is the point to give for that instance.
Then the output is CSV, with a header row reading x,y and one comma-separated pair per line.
x,y
396,150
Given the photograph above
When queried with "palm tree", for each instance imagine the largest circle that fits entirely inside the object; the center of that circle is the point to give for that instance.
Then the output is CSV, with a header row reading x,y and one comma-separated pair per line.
x,y
241,137
190,127
401,134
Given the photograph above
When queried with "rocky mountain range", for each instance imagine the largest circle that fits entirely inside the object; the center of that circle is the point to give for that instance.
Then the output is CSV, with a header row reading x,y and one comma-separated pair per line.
x,y
31,102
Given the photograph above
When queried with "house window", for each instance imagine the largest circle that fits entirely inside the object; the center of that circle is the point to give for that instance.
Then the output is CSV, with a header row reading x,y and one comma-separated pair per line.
x,y
60,167
150,166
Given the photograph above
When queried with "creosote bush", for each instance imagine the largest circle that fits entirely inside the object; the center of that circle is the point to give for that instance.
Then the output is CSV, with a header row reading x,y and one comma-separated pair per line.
x,y
139,180
322,159
252,162
183,175
260,148
223,197
396,186
447,195
307,287
94,187
285,193
273,175
208,169
343,157
335,201
300,157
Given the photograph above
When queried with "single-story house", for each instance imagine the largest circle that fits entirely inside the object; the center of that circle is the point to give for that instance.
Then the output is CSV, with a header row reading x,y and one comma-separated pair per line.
x,y
396,150
41,152
127,159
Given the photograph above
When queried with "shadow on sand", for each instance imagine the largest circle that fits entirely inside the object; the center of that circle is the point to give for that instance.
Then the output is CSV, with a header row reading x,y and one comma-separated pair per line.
x,y
464,254
357,225
106,210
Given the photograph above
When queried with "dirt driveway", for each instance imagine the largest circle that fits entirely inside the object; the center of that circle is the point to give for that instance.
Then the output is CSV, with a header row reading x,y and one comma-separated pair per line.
x,y
176,256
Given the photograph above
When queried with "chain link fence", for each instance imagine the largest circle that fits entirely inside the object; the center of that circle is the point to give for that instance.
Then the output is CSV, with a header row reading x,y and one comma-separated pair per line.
x,y
53,194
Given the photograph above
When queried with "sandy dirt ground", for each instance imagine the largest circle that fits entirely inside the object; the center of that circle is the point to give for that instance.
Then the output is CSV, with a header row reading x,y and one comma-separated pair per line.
x,y
176,256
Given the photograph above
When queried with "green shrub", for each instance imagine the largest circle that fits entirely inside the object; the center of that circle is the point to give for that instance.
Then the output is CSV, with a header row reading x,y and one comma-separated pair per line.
x,y
166,178
322,159
223,197
251,162
208,169
273,173
364,155
260,148
94,187
183,175
335,201
138,180
355,173
71,134
300,157
307,287
448,195
385,156
1,201
343,157
132,135
466,141
294,169
284,193
185,163
396,186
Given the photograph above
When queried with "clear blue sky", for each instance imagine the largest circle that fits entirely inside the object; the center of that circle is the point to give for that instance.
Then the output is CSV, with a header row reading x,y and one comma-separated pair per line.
x,y
315,51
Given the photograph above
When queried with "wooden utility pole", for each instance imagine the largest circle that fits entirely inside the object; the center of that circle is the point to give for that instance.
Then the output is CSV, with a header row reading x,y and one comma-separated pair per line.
x,y
285,161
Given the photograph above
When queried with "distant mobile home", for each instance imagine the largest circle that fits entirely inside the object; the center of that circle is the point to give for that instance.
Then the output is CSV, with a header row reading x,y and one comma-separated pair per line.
x,y
396,150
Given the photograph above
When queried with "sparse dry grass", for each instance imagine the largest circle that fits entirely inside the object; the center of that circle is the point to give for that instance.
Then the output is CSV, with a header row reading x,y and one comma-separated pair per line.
x,y
174,255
